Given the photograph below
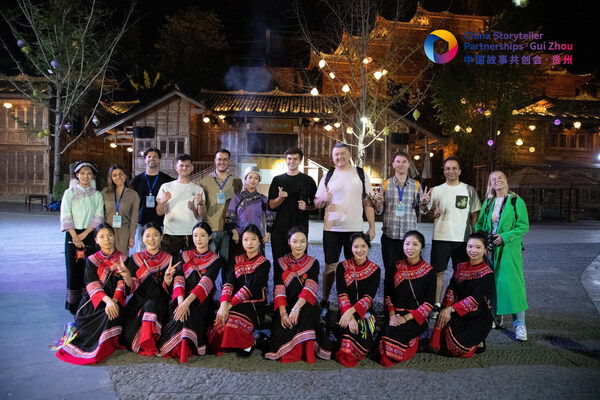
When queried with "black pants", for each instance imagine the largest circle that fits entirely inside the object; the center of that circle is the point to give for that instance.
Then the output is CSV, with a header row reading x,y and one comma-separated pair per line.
x,y
76,268
175,244
392,251
279,245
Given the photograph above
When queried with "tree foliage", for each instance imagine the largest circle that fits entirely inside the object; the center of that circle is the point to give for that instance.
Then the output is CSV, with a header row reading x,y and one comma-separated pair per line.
x,y
475,102
69,45
368,69
192,49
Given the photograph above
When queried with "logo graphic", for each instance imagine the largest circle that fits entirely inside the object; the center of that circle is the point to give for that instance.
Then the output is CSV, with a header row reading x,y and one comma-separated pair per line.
x,y
448,38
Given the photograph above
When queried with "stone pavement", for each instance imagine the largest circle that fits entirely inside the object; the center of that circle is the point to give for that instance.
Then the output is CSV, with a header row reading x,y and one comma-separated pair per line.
x,y
561,358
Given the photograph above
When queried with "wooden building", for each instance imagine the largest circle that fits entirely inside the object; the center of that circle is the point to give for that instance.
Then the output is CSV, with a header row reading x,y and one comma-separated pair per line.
x,y
256,128
24,157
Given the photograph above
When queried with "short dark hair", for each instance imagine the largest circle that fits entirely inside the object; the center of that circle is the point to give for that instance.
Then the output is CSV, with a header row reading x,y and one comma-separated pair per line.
x,y
152,149
183,157
416,234
294,150
360,235
340,145
452,159
223,151
151,225
402,154
203,225
103,225
296,229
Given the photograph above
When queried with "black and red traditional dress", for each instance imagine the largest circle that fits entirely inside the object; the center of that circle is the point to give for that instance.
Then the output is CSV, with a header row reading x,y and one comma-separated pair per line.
x,y
410,289
97,336
294,279
245,289
356,286
469,293
148,309
197,275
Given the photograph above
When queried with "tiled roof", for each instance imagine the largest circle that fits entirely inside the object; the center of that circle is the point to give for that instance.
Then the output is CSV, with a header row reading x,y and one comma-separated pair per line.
x,y
119,107
273,103
583,106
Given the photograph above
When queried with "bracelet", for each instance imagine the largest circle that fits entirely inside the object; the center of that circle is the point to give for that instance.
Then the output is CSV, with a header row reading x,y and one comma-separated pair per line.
x,y
296,309
404,318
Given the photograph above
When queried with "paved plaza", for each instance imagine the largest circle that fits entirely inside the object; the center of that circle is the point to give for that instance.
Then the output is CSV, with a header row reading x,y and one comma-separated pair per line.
x,y
561,359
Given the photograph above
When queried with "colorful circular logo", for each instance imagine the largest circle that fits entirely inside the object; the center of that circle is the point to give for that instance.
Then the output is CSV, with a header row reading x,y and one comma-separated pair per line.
x,y
448,38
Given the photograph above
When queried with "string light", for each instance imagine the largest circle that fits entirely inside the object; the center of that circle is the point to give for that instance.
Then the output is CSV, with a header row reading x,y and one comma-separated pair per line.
x,y
378,75
314,91
130,149
345,88
531,149
349,130
113,145
532,128
206,120
417,157
463,100
457,128
490,142
469,129
577,124
322,64
337,124
328,127
8,106
519,142
332,75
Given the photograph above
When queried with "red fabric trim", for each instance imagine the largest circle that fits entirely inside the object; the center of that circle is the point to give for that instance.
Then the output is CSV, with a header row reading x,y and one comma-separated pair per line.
x,y
362,306
148,339
344,303
294,268
97,298
405,270
420,314
226,292
279,298
103,351
466,271
465,306
358,272
245,266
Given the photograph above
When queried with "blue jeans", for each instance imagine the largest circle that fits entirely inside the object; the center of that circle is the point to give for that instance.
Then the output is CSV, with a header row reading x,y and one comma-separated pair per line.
x,y
519,319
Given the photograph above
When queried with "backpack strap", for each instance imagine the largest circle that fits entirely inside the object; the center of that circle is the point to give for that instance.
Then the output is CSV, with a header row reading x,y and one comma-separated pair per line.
x,y
328,175
361,175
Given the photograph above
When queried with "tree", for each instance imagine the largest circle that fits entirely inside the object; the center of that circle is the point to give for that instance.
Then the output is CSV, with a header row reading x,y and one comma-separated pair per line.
x,y
70,46
375,68
192,50
475,105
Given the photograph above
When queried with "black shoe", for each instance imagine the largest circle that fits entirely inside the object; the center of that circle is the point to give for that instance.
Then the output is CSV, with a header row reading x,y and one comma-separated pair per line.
x,y
480,349
245,354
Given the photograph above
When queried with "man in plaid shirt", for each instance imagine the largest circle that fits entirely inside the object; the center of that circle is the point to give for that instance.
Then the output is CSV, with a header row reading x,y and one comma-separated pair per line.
x,y
399,200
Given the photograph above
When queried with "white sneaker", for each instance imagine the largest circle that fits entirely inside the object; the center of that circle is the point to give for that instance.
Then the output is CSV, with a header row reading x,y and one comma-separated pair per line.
x,y
521,333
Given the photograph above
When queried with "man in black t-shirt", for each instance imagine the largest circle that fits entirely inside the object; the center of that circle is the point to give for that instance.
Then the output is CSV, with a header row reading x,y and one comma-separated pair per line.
x,y
292,196
147,185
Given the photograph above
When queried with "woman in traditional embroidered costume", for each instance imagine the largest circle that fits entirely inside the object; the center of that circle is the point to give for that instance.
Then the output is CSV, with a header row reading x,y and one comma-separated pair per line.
x,y
192,305
410,295
242,299
99,317
298,335
466,319
148,309
357,281
81,211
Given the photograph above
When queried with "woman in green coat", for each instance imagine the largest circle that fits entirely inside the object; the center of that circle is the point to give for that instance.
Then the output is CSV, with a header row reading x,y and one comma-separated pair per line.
x,y
504,217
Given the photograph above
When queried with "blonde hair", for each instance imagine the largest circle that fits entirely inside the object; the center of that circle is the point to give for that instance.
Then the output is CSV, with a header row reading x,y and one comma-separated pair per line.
x,y
490,193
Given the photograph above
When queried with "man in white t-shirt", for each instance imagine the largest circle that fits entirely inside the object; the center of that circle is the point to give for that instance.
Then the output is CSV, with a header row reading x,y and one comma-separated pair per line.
x,y
344,191
455,208
183,203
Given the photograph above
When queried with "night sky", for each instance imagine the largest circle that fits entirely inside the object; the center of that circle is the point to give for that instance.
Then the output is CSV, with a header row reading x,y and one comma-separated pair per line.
x,y
245,22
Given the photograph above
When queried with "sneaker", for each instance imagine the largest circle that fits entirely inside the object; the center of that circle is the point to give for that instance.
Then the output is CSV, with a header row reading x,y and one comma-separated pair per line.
x,y
498,322
521,333
436,311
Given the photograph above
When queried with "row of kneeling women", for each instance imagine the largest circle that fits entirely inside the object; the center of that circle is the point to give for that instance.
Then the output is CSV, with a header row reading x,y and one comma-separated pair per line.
x,y
159,305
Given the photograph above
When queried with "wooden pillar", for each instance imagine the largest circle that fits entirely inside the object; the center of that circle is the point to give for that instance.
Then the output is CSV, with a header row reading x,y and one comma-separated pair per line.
x,y
569,206
560,205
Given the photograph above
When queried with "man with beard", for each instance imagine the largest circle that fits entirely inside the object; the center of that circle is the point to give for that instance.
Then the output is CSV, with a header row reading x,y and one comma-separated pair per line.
x,y
146,185
219,187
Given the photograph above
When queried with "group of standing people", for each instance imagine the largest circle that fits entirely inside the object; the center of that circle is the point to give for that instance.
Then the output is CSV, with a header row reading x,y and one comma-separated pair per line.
x,y
195,284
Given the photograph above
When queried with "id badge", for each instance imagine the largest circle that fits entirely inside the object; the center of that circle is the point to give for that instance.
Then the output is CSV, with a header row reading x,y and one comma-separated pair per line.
x,y
116,221
400,210
220,198
150,201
